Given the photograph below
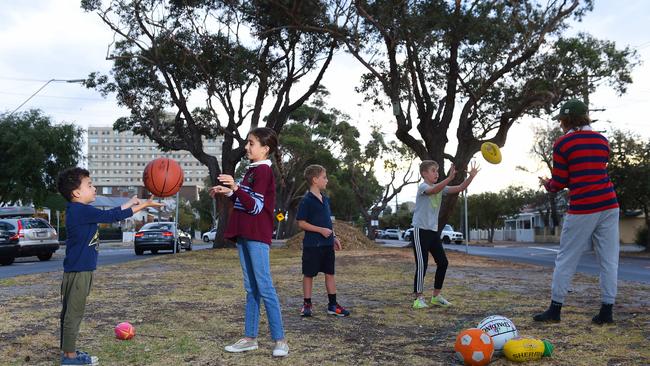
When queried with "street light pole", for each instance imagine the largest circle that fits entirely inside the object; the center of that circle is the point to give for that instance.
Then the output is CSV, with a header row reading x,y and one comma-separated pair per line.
x,y
42,87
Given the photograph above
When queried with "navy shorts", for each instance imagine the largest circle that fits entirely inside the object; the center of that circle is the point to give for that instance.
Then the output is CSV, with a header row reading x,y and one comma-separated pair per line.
x,y
317,259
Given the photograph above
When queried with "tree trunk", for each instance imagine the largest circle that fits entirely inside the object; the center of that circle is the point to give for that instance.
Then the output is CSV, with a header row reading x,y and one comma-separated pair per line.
x,y
223,203
224,208
646,211
491,235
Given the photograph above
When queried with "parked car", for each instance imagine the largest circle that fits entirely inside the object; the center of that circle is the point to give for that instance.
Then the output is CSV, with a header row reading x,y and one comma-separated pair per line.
x,y
209,235
448,235
391,234
8,244
156,236
185,240
26,237
408,234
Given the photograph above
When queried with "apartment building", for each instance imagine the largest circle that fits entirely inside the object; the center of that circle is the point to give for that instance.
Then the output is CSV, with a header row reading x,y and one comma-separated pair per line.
x,y
116,161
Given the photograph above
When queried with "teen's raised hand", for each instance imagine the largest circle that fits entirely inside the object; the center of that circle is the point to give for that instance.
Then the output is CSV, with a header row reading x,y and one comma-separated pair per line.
x,y
543,181
228,181
219,190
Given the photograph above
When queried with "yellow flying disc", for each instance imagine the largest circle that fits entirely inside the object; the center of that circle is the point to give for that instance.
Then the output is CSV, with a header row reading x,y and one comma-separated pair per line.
x,y
491,152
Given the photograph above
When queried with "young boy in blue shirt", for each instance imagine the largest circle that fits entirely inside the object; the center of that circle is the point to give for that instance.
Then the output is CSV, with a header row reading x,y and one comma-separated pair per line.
x,y
315,218
81,250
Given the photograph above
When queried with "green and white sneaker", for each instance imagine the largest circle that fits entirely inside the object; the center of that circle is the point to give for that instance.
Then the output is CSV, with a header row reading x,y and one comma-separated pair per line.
x,y
420,303
439,301
242,345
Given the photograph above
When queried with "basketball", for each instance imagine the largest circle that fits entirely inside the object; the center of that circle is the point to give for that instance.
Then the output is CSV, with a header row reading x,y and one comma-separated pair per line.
x,y
500,328
124,331
474,347
491,152
163,177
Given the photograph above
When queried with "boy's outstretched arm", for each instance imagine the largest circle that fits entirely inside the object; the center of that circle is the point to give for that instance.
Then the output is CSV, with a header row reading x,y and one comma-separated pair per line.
x,y
130,203
474,169
317,229
144,204
436,188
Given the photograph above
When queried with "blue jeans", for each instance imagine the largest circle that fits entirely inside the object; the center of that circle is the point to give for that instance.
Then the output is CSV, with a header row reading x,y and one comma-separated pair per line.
x,y
255,264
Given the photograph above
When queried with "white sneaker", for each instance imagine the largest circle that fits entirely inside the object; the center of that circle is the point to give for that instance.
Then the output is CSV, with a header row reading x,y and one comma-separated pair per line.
x,y
439,301
281,349
420,303
242,345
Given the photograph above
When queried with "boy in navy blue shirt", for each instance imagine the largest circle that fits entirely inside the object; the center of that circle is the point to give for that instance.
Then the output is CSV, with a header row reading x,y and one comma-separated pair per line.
x,y
81,249
315,218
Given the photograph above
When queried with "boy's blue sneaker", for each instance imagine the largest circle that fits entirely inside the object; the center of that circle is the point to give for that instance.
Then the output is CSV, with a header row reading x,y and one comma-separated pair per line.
x,y
337,310
306,310
82,359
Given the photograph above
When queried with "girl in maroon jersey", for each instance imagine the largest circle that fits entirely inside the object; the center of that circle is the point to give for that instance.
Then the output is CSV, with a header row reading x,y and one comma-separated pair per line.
x,y
251,226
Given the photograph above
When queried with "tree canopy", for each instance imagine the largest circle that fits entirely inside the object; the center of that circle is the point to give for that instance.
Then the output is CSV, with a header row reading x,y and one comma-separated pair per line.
x,y
190,70
629,169
478,67
35,150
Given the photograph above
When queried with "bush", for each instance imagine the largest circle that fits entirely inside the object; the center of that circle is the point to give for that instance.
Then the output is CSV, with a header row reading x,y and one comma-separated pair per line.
x,y
642,237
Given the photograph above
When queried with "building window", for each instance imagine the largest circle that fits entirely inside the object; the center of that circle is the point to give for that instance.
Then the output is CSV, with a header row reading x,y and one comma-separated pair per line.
x,y
93,140
107,190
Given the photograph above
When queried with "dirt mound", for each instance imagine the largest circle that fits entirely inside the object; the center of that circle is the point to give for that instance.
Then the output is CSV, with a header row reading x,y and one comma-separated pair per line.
x,y
350,237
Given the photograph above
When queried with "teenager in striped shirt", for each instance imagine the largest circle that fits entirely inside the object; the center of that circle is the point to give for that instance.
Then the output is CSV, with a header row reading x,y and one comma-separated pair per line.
x,y
580,164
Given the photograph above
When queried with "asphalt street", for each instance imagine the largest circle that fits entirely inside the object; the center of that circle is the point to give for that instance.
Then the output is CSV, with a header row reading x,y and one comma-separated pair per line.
x,y
107,255
629,268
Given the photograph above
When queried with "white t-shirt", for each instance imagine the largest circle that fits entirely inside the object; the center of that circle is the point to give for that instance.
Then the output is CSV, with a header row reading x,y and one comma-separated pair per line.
x,y
427,208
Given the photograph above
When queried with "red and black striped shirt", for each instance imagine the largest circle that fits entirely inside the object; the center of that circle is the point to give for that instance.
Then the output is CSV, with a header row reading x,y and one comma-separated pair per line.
x,y
580,164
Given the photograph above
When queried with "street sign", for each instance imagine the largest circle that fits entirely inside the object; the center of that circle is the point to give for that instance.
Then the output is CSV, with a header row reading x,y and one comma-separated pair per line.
x,y
374,222
280,216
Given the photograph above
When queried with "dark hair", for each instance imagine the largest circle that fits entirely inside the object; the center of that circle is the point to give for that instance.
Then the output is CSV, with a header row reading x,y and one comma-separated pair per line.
x,y
69,180
267,137
571,122
312,172
428,164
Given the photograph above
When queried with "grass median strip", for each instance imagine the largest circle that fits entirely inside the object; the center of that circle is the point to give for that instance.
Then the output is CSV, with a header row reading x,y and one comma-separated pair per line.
x,y
187,307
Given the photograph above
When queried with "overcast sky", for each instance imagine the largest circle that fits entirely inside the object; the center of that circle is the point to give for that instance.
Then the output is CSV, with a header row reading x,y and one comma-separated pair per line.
x,y
46,39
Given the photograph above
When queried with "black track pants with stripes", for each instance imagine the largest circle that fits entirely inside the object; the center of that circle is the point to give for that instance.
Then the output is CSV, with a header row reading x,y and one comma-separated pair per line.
x,y
425,242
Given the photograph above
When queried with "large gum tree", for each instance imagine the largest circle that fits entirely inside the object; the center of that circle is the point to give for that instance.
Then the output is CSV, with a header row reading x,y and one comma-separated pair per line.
x,y
191,70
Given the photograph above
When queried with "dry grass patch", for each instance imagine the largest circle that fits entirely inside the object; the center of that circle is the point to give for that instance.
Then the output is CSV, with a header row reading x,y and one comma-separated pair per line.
x,y
187,307
351,238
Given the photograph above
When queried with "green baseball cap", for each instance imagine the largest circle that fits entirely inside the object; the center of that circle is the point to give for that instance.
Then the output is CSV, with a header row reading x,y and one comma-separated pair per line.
x,y
574,108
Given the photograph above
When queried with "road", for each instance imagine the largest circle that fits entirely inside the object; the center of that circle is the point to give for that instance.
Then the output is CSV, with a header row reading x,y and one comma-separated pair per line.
x,y
107,255
629,268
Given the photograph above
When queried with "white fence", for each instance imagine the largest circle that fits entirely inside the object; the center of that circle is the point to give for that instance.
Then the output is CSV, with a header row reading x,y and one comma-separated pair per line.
x,y
484,234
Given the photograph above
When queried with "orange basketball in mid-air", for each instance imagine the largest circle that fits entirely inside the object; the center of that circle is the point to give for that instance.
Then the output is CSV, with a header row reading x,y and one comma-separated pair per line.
x,y
163,177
